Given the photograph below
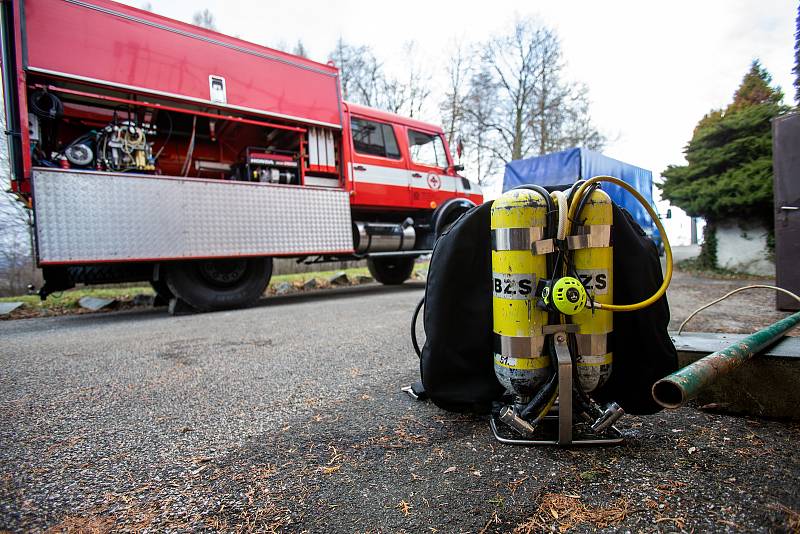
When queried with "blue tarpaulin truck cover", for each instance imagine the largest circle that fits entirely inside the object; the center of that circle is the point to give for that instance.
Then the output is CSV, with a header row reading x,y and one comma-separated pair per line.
x,y
568,166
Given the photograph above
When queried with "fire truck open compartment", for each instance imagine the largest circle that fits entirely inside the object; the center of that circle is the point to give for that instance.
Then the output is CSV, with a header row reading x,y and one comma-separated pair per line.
x,y
91,128
102,156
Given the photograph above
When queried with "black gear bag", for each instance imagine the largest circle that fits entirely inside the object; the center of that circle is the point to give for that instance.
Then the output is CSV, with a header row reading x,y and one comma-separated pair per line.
x,y
456,363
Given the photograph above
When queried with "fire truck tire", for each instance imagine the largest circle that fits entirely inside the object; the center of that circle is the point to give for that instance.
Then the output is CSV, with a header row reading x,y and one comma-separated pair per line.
x,y
163,293
223,284
391,271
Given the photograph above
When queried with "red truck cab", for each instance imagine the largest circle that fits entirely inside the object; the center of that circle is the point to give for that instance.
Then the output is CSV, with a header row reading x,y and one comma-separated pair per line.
x,y
397,161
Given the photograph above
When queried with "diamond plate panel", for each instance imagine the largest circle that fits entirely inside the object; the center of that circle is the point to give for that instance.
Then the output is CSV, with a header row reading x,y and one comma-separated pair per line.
x,y
92,216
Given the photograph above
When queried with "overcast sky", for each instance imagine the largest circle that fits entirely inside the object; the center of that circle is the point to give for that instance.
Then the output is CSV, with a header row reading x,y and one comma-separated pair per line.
x,y
652,68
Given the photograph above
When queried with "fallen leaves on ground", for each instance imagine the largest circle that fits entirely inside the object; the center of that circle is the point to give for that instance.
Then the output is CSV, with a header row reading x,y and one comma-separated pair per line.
x,y
792,516
568,511
404,507
89,525
330,470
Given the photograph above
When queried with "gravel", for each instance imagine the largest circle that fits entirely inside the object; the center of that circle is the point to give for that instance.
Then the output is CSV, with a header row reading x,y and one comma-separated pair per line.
x,y
289,417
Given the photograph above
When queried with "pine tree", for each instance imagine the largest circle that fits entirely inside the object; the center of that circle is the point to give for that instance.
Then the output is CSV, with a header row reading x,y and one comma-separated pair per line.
x,y
729,170
796,69
755,89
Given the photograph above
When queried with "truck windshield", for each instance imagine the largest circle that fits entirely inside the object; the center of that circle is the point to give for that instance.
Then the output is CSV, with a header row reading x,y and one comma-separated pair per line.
x,y
426,149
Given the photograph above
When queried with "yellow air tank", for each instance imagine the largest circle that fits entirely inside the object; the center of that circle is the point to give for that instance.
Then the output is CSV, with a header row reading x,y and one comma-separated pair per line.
x,y
518,221
593,259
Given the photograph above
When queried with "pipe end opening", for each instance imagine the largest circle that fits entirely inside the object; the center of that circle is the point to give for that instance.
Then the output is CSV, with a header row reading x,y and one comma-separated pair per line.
x,y
667,394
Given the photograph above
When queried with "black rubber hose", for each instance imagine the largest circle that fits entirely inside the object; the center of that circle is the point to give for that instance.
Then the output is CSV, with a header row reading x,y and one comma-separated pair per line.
x,y
544,394
551,213
414,327
45,105
573,353
574,189
550,228
584,199
564,256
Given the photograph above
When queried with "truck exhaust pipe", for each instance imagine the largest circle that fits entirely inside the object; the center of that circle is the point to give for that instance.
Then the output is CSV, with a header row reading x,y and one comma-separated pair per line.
x,y
683,385
383,237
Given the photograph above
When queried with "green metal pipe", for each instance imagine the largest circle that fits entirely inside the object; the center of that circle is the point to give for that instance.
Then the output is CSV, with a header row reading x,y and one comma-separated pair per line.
x,y
684,384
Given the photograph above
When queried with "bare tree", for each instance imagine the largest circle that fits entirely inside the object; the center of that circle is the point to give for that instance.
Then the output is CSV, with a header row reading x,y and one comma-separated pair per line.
x,y
360,73
17,269
453,105
560,116
300,49
480,109
365,82
572,125
204,19
407,95
535,111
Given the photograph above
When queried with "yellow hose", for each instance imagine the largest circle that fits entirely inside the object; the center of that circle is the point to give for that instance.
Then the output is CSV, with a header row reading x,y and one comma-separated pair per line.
x,y
547,406
667,249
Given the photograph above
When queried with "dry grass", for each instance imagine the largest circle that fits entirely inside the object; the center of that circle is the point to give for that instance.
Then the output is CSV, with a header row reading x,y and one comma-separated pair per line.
x,y
83,525
792,517
66,302
568,511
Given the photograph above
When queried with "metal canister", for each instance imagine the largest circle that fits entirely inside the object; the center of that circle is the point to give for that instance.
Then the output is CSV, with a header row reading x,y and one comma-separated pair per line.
x,y
518,221
593,257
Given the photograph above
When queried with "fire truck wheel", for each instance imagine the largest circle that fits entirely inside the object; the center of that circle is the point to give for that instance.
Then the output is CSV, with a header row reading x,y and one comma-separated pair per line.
x,y
391,271
163,293
209,285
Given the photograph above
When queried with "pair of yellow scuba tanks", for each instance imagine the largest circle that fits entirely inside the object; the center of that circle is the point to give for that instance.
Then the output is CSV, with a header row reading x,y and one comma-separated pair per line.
x,y
554,298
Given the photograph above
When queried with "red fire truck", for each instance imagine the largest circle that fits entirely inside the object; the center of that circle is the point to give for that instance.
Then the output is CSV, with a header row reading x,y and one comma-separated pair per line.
x,y
153,150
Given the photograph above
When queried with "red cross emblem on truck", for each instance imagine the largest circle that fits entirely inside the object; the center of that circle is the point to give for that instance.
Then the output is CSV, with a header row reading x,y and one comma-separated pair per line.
x,y
434,182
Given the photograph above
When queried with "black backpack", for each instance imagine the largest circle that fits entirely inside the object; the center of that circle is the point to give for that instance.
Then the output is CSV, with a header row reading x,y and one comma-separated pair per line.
x,y
456,363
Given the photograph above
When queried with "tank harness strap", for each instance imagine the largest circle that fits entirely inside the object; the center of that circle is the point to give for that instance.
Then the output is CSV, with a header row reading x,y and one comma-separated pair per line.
x,y
590,236
528,238
518,346
593,344
515,238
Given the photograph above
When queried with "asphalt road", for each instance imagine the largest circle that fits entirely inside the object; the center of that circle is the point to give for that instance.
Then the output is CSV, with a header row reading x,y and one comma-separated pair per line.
x,y
289,417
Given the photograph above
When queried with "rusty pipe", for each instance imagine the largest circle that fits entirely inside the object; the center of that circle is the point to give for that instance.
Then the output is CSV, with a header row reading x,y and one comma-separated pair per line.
x,y
684,384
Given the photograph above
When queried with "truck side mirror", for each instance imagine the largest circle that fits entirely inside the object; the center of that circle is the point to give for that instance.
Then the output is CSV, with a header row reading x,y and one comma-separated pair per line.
x,y
669,214
458,168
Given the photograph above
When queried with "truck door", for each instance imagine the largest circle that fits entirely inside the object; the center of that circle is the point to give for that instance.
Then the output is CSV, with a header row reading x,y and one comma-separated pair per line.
x,y
379,171
431,184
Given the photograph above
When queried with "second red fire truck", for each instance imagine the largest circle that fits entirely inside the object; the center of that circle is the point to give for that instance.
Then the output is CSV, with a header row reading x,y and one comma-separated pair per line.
x,y
153,150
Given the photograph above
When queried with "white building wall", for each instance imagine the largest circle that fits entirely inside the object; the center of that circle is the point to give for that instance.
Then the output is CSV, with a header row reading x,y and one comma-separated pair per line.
x,y
742,247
